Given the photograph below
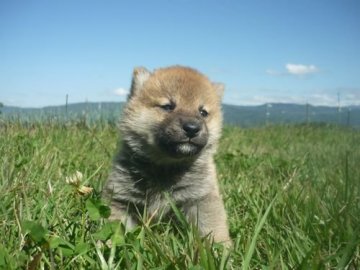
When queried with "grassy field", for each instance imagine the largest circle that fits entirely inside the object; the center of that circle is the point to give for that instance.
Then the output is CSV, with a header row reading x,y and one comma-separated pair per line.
x,y
292,195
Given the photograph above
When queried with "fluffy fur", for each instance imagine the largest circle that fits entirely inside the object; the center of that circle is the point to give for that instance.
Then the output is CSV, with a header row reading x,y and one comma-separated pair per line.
x,y
170,129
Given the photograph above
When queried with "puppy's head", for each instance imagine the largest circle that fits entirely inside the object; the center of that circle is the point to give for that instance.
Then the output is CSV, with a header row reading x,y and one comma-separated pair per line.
x,y
172,114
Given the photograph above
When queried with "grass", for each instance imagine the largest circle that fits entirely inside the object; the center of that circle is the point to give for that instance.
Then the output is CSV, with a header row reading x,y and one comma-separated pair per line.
x,y
292,194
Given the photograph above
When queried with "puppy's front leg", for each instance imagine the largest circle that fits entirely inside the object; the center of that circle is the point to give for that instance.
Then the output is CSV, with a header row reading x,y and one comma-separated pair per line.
x,y
119,212
209,215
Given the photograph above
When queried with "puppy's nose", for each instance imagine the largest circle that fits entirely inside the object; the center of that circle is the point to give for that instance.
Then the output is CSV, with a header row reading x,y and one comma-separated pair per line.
x,y
191,129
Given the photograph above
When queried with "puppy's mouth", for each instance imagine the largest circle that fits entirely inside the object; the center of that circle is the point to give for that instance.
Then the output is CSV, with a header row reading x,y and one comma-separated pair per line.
x,y
188,148
181,149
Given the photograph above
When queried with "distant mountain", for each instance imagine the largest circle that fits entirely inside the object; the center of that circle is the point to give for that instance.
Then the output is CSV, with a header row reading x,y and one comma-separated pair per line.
x,y
108,111
279,113
245,116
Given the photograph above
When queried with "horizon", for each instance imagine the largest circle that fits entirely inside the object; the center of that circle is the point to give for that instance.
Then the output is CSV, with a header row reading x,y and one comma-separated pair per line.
x,y
223,103
264,52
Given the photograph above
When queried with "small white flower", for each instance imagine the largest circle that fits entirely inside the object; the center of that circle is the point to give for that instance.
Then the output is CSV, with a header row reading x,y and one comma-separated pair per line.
x,y
84,190
75,181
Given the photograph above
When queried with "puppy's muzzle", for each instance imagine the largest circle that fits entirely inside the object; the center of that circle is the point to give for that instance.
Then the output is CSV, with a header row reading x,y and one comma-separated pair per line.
x,y
182,136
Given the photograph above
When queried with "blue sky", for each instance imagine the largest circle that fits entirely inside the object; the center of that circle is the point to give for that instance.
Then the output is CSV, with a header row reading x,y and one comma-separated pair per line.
x,y
263,51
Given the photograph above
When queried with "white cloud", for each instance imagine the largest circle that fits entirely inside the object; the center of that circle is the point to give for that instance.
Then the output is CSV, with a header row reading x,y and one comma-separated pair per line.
x,y
323,100
121,92
264,99
255,100
296,69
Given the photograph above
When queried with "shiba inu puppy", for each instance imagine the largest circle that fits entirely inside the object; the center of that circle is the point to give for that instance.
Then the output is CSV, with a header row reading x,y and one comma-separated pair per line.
x,y
170,129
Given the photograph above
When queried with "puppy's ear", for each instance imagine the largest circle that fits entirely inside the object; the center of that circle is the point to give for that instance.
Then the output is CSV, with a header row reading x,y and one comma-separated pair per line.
x,y
219,88
140,76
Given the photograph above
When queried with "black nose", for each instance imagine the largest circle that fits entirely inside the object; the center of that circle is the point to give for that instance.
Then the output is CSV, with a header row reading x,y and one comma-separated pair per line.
x,y
191,128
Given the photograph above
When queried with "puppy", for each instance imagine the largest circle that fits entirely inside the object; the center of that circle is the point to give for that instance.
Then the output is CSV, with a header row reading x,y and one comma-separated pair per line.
x,y
170,129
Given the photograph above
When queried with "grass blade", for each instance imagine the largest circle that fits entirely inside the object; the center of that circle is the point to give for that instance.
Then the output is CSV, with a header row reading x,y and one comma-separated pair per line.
x,y
259,226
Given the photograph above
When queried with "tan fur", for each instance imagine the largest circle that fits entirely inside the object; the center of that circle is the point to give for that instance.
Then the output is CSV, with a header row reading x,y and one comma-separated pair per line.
x,y
161,155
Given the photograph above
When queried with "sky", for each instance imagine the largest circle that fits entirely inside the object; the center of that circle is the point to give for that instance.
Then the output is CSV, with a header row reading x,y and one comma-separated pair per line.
x,y
263,51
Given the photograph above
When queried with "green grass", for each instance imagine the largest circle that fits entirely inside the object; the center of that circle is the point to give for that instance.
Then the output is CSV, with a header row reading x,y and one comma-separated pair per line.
x,y
292,194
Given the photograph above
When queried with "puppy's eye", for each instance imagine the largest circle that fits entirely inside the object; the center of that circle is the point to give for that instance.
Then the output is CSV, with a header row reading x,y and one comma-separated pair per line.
x,y
168,107
203,112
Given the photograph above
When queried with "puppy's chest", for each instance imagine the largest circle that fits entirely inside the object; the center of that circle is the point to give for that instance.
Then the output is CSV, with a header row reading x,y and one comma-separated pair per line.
x,y
156,197
179,188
